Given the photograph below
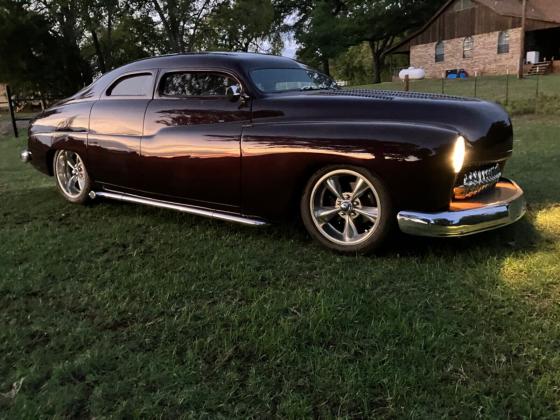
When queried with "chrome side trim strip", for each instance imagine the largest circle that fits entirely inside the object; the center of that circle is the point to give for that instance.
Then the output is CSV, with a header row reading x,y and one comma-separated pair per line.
x,y
493,215
178,207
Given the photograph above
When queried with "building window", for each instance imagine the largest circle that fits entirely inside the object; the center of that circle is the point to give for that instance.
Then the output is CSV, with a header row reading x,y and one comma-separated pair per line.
x,y
468,44
461,5
440,52
503,43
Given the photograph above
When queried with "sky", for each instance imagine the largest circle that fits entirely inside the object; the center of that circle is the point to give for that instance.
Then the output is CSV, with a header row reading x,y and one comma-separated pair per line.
x,y
290,46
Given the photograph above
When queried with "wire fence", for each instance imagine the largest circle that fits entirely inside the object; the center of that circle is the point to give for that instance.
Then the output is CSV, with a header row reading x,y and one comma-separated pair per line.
x,y
509,90
24,106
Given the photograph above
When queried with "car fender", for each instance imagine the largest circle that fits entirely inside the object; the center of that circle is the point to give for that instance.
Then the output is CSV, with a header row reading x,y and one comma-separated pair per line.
x,y
412,159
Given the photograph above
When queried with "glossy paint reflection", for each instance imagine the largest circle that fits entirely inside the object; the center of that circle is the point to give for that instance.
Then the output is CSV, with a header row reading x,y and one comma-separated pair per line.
x,y
194,145
115,133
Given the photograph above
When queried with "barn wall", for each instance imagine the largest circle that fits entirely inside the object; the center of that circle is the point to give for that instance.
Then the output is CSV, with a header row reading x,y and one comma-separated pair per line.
x,y
477,20
474,21
485,60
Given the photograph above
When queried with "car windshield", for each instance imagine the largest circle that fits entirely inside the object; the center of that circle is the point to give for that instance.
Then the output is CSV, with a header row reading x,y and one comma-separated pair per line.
x,y
282,80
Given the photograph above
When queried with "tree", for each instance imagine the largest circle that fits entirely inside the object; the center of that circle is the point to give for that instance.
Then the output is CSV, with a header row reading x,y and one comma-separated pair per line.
x,y
321,31
382,22
353,65
64,21
182,20
34,58
71,41
244,25
127,38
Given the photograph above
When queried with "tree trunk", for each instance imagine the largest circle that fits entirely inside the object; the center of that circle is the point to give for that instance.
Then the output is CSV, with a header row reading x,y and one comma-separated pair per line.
x,y
169,27
98,52
376,62
326,66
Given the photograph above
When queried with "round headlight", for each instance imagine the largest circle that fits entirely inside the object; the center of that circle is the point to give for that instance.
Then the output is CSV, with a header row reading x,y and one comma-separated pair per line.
x,y
458,157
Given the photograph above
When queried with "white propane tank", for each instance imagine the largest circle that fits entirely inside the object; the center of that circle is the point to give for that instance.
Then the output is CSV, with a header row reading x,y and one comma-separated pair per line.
x,y
413,73
533,57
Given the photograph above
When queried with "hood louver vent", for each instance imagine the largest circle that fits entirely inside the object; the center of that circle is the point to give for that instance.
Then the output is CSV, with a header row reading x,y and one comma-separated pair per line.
x,y
390,95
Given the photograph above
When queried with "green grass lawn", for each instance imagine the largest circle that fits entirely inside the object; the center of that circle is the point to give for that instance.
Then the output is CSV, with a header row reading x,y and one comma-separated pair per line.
x,y
122,310
521,93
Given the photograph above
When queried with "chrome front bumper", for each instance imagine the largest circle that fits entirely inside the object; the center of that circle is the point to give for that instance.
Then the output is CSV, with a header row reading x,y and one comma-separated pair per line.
x,y
503,205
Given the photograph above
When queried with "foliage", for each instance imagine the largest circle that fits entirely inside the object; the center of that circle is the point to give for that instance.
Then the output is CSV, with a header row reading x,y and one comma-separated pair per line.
x,y
330,30
382,22
117,310
75,40
322,33
244,24
353,65
35,59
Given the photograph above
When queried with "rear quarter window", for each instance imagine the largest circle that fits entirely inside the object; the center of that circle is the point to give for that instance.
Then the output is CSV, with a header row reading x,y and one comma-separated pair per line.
x,y
134,85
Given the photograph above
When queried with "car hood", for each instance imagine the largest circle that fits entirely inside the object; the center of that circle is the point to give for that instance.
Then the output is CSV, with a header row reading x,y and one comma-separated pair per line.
x,y
486,125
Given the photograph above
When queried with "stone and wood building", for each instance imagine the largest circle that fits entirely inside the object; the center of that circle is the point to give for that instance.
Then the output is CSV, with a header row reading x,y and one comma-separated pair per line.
x,y
487,37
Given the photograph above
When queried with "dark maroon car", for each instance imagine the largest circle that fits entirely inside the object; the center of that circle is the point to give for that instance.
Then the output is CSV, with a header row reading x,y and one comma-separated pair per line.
x,y
254,138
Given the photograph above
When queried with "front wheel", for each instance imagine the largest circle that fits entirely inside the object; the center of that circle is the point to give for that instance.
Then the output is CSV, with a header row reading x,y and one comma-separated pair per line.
x,y
347,209
72,178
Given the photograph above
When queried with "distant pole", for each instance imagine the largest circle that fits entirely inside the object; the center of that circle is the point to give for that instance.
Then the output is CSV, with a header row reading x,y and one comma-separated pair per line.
x,y
522,46
443,83
475,82
507,87
407,83
11,108
538,83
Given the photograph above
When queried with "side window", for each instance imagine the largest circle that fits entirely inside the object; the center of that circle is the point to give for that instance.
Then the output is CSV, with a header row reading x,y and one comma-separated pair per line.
x,y
135,85
440,52
195,84
468,45
503,43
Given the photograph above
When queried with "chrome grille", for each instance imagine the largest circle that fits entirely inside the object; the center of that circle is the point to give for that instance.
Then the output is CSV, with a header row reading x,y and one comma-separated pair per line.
x,y
476,181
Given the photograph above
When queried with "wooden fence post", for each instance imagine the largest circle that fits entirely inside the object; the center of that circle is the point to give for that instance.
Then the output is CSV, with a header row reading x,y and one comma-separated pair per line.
x,y
507,86
11,108
475,83
407,83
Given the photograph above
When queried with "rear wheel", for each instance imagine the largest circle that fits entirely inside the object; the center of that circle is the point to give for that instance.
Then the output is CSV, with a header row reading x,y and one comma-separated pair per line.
x,y
347,209
71,175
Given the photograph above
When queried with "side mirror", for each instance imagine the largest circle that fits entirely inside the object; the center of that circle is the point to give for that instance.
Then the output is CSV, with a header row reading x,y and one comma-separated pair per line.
x,y
233,93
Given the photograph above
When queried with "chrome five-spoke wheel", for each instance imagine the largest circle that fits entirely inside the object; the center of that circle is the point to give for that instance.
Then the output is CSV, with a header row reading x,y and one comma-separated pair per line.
x,y
71,176
346,207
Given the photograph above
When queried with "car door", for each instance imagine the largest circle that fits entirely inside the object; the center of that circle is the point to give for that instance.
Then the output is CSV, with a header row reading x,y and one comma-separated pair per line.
x,y
116,128
191,144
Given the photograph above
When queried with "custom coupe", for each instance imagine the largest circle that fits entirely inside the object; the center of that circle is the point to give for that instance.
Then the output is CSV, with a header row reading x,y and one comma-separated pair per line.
x,y
254,138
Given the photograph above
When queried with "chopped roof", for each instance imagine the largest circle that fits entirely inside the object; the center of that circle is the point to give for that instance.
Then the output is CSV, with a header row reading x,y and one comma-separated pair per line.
x,y
217,59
